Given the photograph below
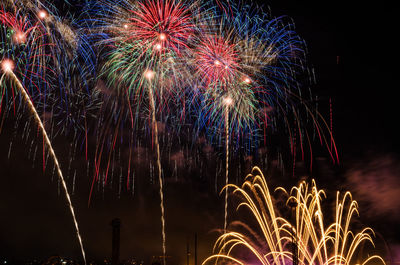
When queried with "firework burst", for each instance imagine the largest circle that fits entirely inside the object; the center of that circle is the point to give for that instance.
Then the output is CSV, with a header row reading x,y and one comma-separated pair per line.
x,y
144,43
52,58
272,239
37,53
243,64
160,25
253,59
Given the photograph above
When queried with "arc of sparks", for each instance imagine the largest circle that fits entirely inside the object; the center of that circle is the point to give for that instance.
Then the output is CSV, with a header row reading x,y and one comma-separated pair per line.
x,y
270,238
7,67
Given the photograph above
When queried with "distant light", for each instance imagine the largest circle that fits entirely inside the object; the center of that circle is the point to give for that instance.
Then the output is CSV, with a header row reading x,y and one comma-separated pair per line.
x,y
149,74
7,65
228,101
42,14
163,36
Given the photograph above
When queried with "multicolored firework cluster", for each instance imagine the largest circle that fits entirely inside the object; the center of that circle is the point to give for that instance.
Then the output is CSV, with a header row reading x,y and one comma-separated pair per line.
x,y
124,71
51,58
219,70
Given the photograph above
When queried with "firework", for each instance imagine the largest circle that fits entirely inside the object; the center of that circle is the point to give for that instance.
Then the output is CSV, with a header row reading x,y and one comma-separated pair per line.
x,y
144,43
235,69
243,64
53,60
250,58
195,63
7,67
309,239
37,54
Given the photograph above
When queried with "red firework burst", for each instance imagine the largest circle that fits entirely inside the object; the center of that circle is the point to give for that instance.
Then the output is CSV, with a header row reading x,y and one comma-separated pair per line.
x,y
216,60
161,24
20,26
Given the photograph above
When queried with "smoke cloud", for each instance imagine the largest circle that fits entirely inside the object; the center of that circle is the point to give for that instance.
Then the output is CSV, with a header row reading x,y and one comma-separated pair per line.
x,y
376,183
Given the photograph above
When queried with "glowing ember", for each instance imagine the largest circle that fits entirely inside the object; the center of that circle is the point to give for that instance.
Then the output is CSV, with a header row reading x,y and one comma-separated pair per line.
x,y
149,74
19,37
7,65
42,14
163,36
228,101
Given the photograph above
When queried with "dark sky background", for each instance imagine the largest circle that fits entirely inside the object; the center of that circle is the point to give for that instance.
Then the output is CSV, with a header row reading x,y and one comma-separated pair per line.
x,y
352,49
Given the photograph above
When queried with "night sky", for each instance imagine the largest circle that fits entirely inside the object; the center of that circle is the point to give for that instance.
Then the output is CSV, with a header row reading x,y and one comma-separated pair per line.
x,y
352,50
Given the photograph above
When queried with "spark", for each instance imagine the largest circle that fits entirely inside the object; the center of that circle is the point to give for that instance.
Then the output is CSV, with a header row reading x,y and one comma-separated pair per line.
x,y
149,74
163,36
19,37
7,65
228,101
42,14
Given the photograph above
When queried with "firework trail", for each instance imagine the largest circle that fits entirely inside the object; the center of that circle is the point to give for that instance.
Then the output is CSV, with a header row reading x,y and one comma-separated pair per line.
x,y
228,102
271,240
39,48
160,180
7,67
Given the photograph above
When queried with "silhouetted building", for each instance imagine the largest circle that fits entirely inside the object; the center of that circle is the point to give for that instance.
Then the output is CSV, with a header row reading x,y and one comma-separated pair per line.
x,y
116,225
195,249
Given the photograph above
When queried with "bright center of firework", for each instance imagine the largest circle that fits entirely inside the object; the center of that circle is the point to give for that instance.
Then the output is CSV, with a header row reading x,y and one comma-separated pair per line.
x,y
7,65
42,14
228,101
125,26
247,80
158,46
162,36
19,37
149,74
217,62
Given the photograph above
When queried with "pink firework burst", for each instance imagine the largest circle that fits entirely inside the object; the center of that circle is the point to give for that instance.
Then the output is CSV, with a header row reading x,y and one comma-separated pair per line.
x,y
217,60
161,24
